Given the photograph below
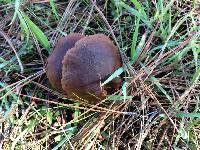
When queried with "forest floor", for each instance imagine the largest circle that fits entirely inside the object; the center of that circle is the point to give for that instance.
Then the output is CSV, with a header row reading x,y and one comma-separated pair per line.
x,y
158,104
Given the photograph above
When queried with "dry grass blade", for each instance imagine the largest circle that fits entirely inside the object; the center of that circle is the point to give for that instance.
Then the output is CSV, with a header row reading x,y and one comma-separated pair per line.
x,y
147,46
21,83
64,20
124,57
166,55
158,103
85,135
13,48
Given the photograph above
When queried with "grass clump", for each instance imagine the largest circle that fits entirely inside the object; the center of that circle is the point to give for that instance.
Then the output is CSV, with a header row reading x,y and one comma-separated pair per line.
x,y
157,106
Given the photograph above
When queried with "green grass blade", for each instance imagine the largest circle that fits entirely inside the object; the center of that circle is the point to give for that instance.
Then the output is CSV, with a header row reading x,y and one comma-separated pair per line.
x,y
17,6
76,114
49,117
136,13
114,75
156,82
134,54
140,8
3,62
118,97
141,44
187,114
53,7
37,32
196,76
60,143
124,90
24,25
68,134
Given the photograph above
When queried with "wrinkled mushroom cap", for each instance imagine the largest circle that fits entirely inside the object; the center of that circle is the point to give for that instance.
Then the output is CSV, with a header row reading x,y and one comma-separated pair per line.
x,y
54,62
91,60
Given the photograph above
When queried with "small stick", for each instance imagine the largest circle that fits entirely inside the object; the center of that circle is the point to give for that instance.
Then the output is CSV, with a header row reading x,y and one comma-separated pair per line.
x,y
13,48
147,44
123,56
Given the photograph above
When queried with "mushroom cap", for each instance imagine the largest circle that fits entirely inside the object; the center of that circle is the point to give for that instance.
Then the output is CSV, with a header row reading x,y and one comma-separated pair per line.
x,y
54,62
91,60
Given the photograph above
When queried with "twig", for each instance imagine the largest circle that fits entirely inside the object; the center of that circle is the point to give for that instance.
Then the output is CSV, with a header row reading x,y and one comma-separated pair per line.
x,y
149,41
173,51
43,87
38,48
13,48
105,20
88,20
20,83
162,138
101,109
124,58
158,103
62,23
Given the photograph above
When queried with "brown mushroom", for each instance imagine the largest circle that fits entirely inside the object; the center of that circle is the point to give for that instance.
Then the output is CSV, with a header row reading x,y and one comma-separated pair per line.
x,y
90,61
80,63
54,62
